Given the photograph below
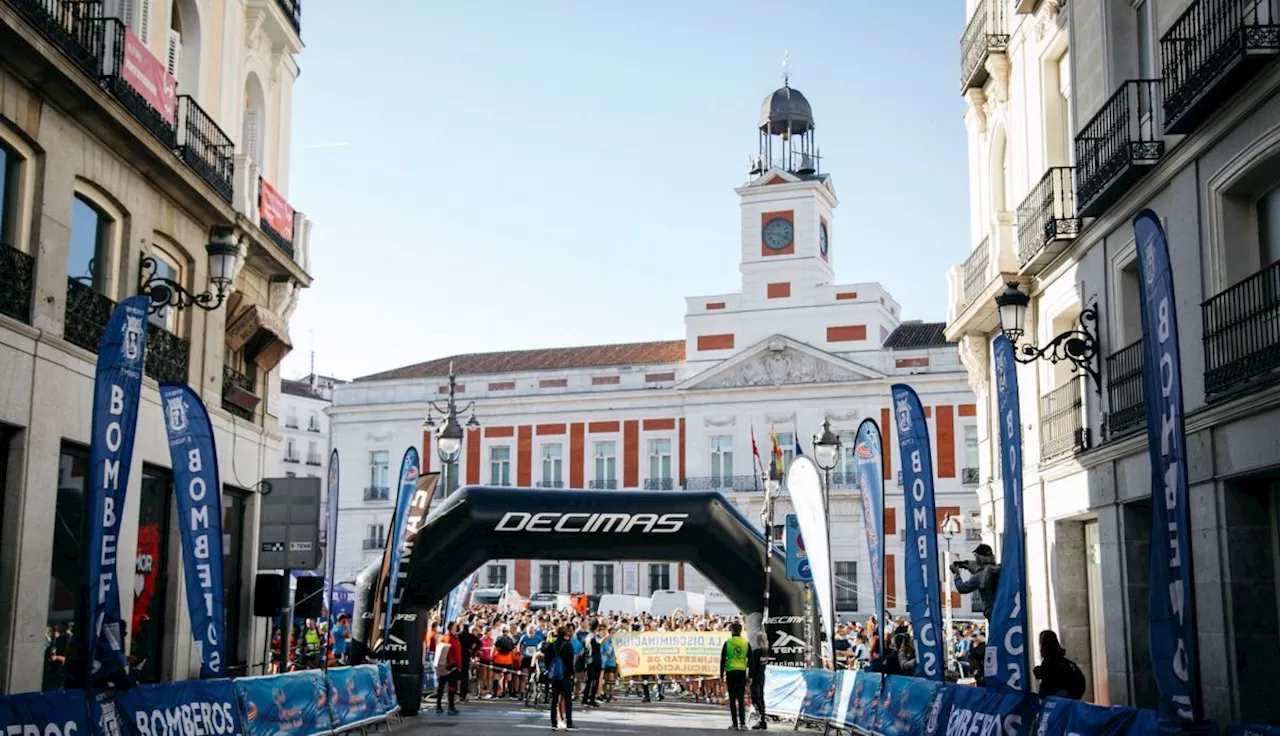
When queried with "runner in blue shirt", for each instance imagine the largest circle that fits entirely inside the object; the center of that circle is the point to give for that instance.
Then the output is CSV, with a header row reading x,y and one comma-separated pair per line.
x,y
529,643
609,659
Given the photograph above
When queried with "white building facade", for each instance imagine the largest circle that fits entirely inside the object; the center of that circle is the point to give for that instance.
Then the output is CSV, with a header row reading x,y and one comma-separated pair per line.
x,y
103,186
787,352
304,427
1080,115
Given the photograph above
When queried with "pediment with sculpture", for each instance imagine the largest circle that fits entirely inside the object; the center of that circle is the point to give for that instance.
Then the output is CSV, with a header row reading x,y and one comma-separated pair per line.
x,y
781,361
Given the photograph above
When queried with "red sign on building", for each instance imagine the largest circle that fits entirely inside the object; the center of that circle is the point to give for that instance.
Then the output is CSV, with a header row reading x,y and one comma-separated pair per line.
x,y
276,212
148,76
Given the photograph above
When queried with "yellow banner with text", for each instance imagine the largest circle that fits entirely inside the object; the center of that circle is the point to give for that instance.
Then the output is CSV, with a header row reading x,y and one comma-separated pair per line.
x,y
675,653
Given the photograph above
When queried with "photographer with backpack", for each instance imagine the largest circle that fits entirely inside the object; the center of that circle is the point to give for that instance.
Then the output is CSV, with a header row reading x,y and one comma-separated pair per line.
x,y
1058,675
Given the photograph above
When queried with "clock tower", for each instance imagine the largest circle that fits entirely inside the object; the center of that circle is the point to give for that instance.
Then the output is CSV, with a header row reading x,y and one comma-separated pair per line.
x,y
787,207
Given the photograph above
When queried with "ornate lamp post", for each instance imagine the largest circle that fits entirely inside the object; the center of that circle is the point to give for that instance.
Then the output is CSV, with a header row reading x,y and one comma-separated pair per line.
x,y
449,433
772,489
1079,346
951,526
223,248
826,450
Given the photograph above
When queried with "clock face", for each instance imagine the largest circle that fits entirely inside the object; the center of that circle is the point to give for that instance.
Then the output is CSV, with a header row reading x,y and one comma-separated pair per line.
x,y
823,243
778,234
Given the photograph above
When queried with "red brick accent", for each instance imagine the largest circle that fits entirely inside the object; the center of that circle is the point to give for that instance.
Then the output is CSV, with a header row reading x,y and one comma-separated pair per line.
x,y
680,460
946,443
459,388
955,600
551,429
503,386
890,581
911,362
943,512
886,444
890,521
602,427
522,577
715,342
765,217
967,410
553,383
712,306
499,431
653,425
680,577
846,333
524,457
780,290
928,412
428,449
846,295
631,454
576,454
775,179
606,380
473,457
659,377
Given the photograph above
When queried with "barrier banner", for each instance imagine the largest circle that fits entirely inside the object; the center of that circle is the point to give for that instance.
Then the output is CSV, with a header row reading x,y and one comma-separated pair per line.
x,y
199,495
960,709
387,577
842,708
1172,612
429,680
295,704
783,691
354,696
669,652
819,694
388,689
904,703
1006,665
206,707
52,713
1251,729
869,466
866,693
924,596
1063,717
117,385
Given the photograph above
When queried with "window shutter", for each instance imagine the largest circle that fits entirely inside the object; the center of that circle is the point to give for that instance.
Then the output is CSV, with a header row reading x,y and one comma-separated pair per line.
x,y
252,133
173,55
142,24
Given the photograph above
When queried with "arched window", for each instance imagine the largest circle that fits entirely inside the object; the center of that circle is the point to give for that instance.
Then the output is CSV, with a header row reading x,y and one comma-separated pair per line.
x,y
10,165
182,46
255,120
89,259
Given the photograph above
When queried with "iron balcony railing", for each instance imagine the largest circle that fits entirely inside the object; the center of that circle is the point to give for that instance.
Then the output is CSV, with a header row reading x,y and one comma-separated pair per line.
x,y
1124,390
659,484
726,483
291,422
969,476
1118,146
283,241
17,283
377,493
1209,52
113,78
842,480
313,425
293,11
314,459
550,484
86,316
370,544
1048,213
168,356
1242,332
975,270
234,379
292,457
986,34
204,147
73,26
607,484
1062,421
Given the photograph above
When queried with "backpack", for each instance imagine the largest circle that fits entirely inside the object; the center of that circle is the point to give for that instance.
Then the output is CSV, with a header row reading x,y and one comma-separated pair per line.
x,y
504,645
555,670
1075,679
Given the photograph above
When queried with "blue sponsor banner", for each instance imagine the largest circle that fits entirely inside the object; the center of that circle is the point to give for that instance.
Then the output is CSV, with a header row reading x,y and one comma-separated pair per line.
x,y
52,713
391,567
1063,717
457,599
868,464
866,695
184,708
331,546
798,566
904,703
1174,654
353,696
819,694
388,690
117,384
842,708
783,691
924,595
1006,665
959,709
199,492
296,704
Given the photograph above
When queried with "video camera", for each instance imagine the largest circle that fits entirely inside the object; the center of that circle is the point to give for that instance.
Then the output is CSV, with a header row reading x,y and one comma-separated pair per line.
x,y
966,565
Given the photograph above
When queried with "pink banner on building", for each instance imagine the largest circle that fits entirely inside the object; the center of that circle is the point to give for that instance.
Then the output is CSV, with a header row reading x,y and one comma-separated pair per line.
x,y
148,76
276,212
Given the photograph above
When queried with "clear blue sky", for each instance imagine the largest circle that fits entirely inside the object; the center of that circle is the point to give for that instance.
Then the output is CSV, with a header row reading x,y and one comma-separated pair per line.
x,y
495,174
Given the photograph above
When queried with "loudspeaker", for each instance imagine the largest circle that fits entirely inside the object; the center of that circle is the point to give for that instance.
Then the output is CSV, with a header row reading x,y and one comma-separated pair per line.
x,y
308,598
269,593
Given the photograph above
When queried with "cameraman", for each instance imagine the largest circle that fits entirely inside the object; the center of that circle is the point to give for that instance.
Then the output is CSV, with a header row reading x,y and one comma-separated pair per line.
x,y
984,577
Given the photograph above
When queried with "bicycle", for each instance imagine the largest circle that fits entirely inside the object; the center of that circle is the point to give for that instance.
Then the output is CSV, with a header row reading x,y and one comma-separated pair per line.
x,y
537,689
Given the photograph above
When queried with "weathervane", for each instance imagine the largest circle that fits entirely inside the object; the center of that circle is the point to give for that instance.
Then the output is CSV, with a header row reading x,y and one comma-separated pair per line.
x,y
786,74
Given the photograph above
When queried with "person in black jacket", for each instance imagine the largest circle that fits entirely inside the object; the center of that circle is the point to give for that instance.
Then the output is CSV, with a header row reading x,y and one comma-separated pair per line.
x,y
561,647
758,660
470,646
591,649
1058,676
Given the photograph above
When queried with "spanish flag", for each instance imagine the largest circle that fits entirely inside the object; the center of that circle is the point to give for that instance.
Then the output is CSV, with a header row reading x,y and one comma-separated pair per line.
x,y
777,451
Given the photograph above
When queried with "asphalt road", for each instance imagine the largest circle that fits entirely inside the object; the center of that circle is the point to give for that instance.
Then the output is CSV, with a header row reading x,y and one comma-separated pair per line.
x,y
671,717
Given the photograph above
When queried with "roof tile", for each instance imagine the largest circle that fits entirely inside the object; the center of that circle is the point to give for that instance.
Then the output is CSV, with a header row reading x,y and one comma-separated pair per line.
x,y
917,335
513,361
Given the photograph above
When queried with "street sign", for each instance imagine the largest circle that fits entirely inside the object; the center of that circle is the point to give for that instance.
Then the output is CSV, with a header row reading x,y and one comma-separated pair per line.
x,y
798,567
289,525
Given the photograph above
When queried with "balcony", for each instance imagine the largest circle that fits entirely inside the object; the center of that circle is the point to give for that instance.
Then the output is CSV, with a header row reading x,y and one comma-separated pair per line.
x,y
659,484
275,217
1242,333
550,484
1062,430
372,544
291,457
844,481
377,493
314,459
1047,219
609,484
291,422
86,315
1210,53
238,395
725,483
1118,146
160,123
205,148
17,283
313,425
168,355
975,271
292,10
969,476
985,35
1124,390
74,27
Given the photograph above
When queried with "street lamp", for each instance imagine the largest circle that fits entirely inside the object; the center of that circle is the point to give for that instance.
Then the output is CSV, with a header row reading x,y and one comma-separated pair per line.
x,y
449,433
951,526
826,449
1079,346
222,249
772,489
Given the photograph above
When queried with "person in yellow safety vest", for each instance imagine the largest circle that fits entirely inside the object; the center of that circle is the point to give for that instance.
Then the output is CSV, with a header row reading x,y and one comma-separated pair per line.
x,y
734,657
311,644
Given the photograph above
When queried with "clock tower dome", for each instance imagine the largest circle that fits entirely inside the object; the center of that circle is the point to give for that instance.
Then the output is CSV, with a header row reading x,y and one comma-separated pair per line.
x,y
787,207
